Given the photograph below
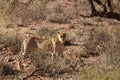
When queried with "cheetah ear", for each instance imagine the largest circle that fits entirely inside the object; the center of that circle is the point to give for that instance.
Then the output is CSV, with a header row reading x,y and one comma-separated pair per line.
x,y
27,35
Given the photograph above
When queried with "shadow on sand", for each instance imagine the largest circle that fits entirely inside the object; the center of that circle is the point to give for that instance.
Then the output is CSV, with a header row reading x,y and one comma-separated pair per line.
x,y
110,15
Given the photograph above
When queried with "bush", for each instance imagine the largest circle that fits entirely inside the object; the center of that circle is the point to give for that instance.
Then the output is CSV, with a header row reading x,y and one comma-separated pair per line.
x,y
19,12
59,65
6,68
36,9
105,42
96,40
11,41
112,48
54,12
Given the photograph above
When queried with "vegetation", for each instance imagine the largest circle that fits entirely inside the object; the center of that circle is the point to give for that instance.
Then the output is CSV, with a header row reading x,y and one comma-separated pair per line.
x,y
92,44
10,41
105,42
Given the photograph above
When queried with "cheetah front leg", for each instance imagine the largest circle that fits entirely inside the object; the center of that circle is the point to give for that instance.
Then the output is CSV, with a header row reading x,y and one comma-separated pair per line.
x,y
24,47
54,46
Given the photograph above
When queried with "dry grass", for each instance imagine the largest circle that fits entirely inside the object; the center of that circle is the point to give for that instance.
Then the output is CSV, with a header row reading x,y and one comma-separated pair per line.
x,y
57,12
59,65
9,40
23,14
111,48
47,33
96,73
5,67
105,42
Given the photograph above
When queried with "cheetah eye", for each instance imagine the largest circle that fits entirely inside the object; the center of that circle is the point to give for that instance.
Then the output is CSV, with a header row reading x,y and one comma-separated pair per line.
x,y
58,32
